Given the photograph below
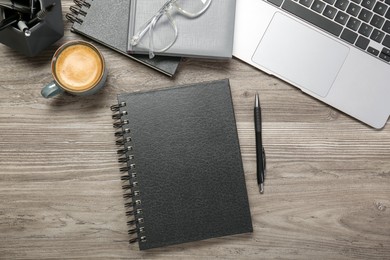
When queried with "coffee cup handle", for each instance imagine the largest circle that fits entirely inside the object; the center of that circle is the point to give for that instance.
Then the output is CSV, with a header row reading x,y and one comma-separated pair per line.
x,y
51,89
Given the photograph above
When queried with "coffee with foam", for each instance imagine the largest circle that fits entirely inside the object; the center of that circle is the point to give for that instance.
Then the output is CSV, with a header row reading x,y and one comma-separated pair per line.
x,y
78,67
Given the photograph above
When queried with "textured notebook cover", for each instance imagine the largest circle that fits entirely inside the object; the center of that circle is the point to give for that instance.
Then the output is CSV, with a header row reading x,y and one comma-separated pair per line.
x,y
188,164
107,21
207,36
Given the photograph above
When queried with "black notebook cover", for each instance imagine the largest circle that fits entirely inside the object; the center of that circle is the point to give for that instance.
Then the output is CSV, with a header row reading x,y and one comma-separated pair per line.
x,y
184,164
106,22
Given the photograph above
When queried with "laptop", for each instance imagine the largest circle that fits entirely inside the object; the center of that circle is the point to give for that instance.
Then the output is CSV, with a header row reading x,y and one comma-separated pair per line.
x,y
337,51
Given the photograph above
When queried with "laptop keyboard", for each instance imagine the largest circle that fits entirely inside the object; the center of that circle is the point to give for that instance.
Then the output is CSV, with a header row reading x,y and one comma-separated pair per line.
x,y
363,23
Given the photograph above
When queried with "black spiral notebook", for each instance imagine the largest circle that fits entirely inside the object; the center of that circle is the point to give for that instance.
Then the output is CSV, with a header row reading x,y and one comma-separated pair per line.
x,y
107,22
183,172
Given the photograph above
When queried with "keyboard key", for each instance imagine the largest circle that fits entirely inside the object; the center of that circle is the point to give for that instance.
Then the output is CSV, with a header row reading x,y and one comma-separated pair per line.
x,y
387,2
385,57
380,8
276,2
353,9
349,36
306,3
362,42
365,15
365,29
341,4
386,27
388,14
353,24
330,12
312,17
373,51
377,35
377,21
341,18
318,6
386,51
369,4
386,41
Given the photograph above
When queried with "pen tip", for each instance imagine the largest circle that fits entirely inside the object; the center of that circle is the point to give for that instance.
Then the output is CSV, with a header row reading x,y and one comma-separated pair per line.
x,y
261,188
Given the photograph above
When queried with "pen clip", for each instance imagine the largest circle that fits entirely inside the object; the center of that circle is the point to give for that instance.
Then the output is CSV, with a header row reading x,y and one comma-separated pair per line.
x,y
264,162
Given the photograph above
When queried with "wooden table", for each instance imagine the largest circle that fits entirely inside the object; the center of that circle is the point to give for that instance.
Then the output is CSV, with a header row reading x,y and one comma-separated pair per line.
x,y
327,192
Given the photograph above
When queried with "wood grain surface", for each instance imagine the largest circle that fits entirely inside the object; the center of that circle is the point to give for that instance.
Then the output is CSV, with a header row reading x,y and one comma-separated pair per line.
x,y
327,193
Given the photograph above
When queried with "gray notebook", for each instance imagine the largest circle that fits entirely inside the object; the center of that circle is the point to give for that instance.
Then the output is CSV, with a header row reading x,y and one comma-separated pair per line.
x,y
106,22
209,35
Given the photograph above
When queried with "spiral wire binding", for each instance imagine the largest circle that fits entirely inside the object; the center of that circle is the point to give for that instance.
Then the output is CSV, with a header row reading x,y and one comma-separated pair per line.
x,y
131,192
76,11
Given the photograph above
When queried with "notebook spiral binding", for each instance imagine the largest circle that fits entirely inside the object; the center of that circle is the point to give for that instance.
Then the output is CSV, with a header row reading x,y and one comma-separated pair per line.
x,y
131,191
76,11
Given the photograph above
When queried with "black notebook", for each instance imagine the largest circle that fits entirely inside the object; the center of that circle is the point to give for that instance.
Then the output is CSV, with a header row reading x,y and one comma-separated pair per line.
x,y
106,22
183,172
